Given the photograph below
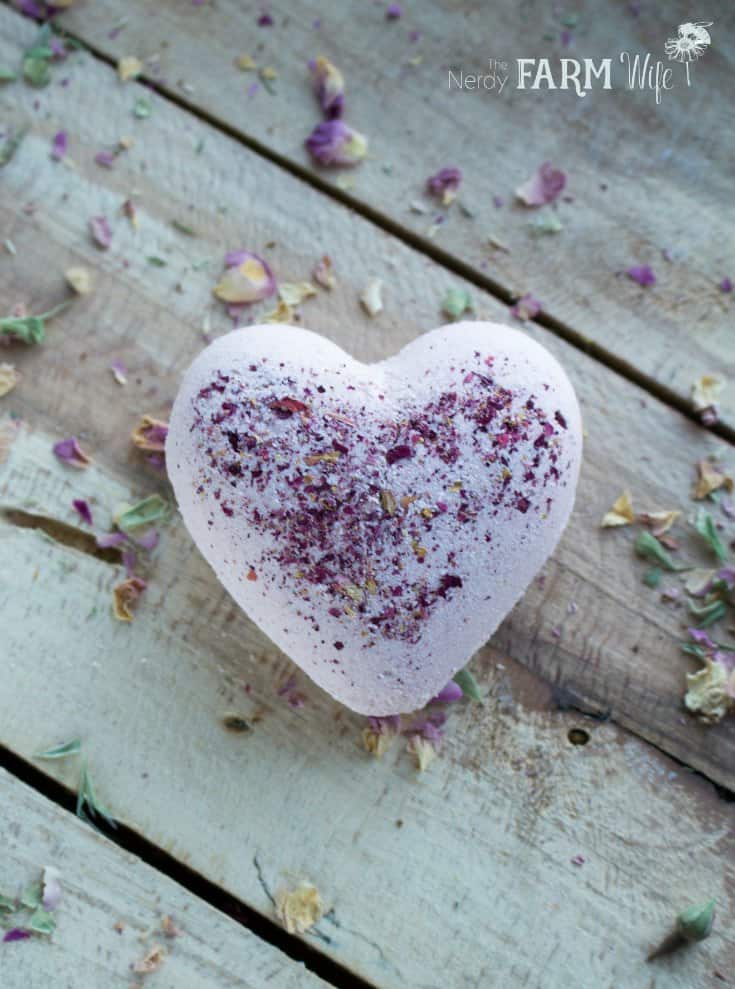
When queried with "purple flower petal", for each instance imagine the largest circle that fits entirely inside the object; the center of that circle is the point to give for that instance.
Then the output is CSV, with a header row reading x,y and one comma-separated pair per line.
x,y
146,539
701,638
84,510
51,888
100,230
60,145
110,539
543,187
129,561
119,372
106,159
16,934
449,694
69,452
265,20
329,86
526,308
335,143
57,46
726,285
248,278
393,12
445,183
642,273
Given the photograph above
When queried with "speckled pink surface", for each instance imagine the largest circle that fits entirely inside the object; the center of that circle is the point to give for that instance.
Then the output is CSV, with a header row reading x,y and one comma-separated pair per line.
x,y
376,521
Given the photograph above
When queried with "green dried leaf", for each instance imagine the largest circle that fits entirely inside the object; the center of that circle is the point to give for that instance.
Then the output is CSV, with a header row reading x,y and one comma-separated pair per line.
x,y
183,228
10,145
32,897
6,904
548,224
653,576
7,75
705,526
61,751
708,614
156,261
456,302
41,922
142,108
146,512
468,685
29,329
87,801
36,71
647,546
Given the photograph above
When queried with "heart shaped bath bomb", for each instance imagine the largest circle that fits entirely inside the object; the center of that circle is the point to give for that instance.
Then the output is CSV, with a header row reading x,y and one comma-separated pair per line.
x,y
377,521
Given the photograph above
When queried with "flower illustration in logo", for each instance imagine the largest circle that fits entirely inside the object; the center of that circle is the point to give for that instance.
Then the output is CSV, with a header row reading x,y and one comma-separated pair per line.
x,y
691,41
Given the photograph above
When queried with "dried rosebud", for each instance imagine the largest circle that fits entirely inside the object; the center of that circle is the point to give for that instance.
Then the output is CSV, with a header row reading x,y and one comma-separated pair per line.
x,y
444,184
150,434
329,86
333,142
125,596
248,278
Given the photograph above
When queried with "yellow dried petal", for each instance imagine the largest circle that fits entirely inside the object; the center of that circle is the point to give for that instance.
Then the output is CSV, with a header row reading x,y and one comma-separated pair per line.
x,y
711,478
150,962
377,743
659,522
124,597
294,293
621,512
705,391
372,297
708,696
245,63
79,279
423,752
129,67
9,378
268,73
283,313
299,909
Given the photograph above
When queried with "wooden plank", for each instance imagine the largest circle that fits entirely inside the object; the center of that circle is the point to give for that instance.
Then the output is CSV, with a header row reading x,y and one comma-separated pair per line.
x,y
494,824
152,318
648,181
111,913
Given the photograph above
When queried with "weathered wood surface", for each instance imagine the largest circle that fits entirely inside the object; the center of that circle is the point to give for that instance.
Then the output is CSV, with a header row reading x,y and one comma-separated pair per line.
x,y
645,179
618,652
111,914
493,825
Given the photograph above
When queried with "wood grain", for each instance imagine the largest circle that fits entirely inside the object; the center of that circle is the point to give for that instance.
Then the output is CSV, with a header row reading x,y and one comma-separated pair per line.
x,y
647,182
103,888
476,883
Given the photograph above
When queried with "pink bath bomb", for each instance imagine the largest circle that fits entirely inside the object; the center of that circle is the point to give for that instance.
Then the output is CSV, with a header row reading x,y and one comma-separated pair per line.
x,y
376,521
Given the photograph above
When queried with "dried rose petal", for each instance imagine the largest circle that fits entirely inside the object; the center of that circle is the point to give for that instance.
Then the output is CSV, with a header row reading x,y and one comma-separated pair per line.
x,y
726,285
106,159
129,67
393,12
247,278
444,184
110,539
51,888
82,507
60,145
16,934
543,187
9,378
526,308
449,694
119,372
329,86
125,596
100,230
642,274
150,434
69,452
333,142
79,279
323,273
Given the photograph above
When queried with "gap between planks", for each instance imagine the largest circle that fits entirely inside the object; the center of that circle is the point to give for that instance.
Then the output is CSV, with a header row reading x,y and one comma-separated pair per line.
x,y
298,949
569,334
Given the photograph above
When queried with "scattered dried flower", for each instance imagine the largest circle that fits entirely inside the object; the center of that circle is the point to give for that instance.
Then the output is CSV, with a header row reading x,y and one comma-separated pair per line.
x,y
526,308
79,279
323,273
69,452
51,888
125,596
100,230
456,303
642,274
129,67
119,372
151,961
150,434
299,909
423,750
294,293
711,478
329,86
543,187
659,522
621,512
372,297
444,184
82,507
247,278
9,378
60,145
333,142
705,392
